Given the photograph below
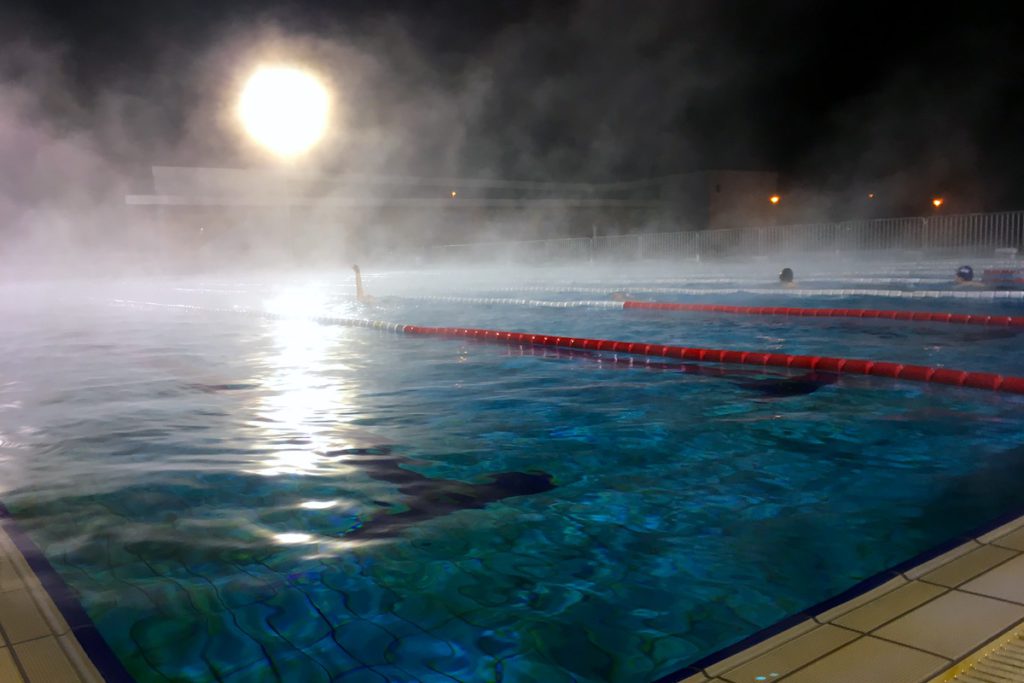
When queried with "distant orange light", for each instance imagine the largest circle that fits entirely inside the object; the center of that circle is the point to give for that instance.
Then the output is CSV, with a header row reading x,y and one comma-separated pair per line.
x,y
774,199
937,202
453,194
871,195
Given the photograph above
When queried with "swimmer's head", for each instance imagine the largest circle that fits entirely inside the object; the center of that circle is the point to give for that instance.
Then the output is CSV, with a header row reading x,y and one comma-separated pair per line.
x,y
620,296
786,276
964,274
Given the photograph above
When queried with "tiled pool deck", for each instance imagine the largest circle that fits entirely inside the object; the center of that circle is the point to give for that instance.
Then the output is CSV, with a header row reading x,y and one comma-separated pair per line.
x,y
36,643
914,628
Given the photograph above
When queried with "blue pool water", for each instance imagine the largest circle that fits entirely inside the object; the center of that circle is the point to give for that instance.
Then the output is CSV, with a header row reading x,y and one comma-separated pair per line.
x,y
236,498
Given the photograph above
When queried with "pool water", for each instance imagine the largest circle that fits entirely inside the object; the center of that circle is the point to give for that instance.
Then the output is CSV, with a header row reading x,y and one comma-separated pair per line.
x,y
237,498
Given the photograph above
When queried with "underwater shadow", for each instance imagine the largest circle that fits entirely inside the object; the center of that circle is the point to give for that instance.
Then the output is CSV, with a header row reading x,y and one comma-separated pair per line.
x,y
428,498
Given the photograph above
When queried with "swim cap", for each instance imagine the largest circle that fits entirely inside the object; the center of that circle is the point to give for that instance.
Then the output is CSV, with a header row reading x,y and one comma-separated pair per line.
x,y
965,273
786,275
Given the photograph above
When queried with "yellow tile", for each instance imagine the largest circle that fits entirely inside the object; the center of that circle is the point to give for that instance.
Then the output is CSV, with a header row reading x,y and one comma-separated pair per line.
x,y
1014,539
22,577
9,579
869,660
1005,581
941,560
20,617
8,671
968,566
54,619
791,655
889,606
11,553
1002,531
863,599
76,655
953,624
760,648
44,661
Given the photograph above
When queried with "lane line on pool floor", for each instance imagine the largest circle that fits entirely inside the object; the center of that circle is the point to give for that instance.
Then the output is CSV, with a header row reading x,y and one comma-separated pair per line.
x,y
860,313
824,364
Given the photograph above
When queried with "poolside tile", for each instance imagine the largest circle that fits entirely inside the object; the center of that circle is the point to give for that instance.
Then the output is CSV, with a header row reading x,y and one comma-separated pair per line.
x,y
54,619
79,660
792,655
968,566
1014,539
11,554
9,579
8,671
44,660
20,616
870,659
952,624
863,599
1002,531
760,648
1005,581
30,582
945,558
889,606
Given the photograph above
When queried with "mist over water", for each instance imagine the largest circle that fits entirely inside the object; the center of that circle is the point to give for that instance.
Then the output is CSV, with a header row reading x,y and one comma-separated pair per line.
x,y
200,452
538,94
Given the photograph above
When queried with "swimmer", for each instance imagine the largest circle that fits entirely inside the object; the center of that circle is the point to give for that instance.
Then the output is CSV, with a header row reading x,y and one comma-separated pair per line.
x,y
620,296
361,296
786,278
965,277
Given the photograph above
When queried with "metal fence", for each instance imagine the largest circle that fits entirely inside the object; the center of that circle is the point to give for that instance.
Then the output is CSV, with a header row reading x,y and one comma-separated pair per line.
x,y
967,234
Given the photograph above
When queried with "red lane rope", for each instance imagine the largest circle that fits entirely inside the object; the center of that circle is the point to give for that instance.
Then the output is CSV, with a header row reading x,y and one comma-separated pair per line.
x,y
916,373
849,366
916,316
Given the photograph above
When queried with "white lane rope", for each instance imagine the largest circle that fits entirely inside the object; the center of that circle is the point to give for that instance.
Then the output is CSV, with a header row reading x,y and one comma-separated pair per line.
x,y
535,303
739,280
696,291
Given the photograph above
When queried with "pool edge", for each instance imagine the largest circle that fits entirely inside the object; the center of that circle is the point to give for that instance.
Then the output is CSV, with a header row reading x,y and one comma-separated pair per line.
x,y
80,625
110,668
754,644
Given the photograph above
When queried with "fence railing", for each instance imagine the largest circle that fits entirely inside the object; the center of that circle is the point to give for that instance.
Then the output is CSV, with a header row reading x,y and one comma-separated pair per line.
x,y
969,234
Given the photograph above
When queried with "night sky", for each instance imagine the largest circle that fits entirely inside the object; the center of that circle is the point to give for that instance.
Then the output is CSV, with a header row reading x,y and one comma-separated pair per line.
x,y
835,96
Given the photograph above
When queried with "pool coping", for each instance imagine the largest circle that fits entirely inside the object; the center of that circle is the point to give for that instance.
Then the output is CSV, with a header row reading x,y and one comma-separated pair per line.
x,y
784,632
80,625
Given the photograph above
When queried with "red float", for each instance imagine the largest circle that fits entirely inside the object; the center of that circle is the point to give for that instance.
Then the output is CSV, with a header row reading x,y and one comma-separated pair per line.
x,y
848,366
914,316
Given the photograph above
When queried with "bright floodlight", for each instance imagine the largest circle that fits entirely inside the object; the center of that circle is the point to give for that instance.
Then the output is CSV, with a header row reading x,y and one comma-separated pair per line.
x,y
284,109
774,199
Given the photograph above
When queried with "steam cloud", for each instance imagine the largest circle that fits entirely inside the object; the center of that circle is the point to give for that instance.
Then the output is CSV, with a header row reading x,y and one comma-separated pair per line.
x,y
578,92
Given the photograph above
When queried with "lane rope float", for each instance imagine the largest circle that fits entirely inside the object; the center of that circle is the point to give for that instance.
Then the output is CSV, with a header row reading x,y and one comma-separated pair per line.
x,y
848,366
867,313
744,279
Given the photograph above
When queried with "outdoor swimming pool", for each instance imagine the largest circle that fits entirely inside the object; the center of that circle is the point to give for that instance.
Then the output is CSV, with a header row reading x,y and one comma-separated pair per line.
x,y
236,498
